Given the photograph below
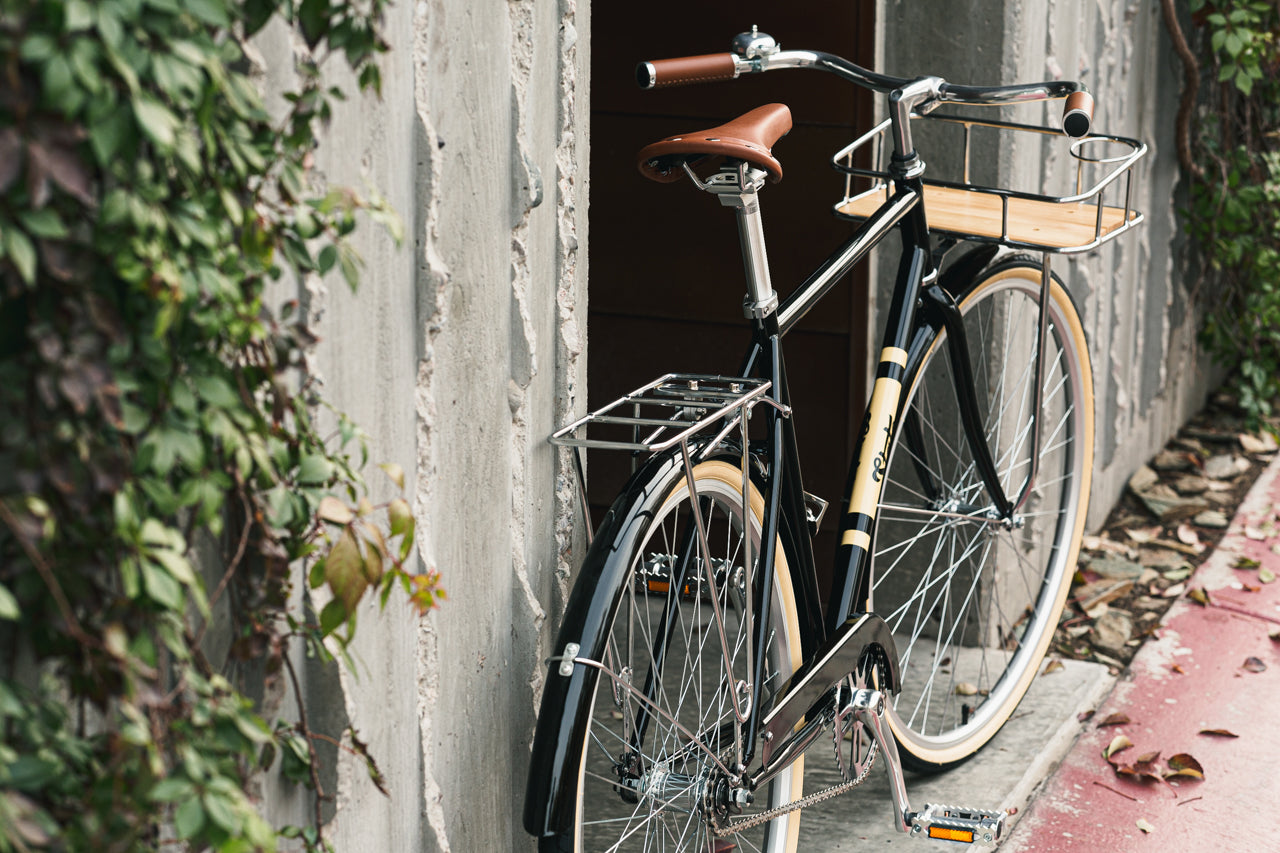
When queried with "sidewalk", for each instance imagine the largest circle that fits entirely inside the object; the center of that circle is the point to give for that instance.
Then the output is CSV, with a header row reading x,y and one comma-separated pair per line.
x,y
1208,668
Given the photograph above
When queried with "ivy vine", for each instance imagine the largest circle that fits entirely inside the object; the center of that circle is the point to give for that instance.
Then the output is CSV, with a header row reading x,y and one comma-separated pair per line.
x,y
154,406
1232,100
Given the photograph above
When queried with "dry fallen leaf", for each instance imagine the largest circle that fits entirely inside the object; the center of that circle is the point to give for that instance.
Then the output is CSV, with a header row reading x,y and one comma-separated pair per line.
x,y
1118,744
1253,664
1217,733
1052,666
966,689
1142,535
1264,442
1187,535
1145,827
1275,635
1177,667
1085,716
1184,765
1254,533
1199,595
1266,575
1245,563
1116,719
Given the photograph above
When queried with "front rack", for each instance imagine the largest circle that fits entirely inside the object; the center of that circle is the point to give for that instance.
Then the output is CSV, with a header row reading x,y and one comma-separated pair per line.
x,y
1075,222
666,412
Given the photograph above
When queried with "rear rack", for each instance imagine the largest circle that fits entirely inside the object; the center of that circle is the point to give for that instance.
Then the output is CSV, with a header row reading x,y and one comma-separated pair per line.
x,y
666,412
1063,224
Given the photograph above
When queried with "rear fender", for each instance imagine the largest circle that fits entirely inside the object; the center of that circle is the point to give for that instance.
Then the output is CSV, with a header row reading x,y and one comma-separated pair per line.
x,y
556,758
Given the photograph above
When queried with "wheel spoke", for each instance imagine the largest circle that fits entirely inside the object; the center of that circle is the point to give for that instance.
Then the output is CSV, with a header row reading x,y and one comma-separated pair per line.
x,y
647,787
970,598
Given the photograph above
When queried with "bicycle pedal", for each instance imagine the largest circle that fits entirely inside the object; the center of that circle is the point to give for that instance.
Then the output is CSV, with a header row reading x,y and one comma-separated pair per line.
x,y
963,826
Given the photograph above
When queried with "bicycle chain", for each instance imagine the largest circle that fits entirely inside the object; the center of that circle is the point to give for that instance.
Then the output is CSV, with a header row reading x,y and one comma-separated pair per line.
x,y
736,826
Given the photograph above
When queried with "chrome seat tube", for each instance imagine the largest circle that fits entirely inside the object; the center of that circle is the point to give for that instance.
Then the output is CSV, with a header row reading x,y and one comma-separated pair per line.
x,y
737,186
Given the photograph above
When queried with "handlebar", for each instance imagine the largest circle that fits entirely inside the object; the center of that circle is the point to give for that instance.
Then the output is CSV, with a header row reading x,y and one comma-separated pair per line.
x,y
756,52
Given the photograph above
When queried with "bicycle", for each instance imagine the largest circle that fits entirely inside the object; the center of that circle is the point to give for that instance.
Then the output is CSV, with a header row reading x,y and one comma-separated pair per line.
x,y
698,660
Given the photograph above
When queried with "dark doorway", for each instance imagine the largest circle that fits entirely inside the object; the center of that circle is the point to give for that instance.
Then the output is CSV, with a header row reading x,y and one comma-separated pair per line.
x,y
665,269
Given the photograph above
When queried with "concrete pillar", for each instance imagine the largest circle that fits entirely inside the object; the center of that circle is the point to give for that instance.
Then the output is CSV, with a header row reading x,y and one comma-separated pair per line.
x,y
458,355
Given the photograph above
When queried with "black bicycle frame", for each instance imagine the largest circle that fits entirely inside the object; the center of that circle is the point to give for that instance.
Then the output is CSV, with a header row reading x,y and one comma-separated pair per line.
x,y
921,305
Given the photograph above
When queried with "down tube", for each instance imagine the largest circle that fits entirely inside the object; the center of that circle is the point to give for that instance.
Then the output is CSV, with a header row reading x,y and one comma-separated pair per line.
x,y
866,474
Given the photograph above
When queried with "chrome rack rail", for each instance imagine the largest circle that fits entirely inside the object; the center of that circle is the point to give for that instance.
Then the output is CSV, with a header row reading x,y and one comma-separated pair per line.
x,y
1076,221
665,412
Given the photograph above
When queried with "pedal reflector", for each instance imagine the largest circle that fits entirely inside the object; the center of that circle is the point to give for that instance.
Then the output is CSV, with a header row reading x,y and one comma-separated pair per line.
x,y
943,833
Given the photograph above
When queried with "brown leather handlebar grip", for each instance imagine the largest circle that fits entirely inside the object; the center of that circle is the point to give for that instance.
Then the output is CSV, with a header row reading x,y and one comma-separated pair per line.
x,y
683,70
1077,114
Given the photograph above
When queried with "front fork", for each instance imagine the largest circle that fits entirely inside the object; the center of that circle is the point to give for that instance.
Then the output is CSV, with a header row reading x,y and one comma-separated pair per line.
x,y
922,300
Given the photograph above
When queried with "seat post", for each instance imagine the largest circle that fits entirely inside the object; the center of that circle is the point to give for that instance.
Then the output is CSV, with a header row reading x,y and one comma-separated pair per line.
x,y
737,185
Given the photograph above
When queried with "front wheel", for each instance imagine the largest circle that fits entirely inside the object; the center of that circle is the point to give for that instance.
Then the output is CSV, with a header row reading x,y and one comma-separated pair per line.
x,y
973,600
661,720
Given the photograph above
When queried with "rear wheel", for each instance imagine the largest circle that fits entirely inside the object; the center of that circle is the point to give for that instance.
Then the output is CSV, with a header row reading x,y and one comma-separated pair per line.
x,y
973,601
660,731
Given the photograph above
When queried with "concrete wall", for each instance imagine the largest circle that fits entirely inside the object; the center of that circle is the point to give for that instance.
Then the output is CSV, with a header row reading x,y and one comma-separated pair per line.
x,y
457,356
1149,374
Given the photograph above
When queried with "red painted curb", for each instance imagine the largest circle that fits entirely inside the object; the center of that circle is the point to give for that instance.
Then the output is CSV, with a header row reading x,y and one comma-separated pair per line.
x,y
1191,678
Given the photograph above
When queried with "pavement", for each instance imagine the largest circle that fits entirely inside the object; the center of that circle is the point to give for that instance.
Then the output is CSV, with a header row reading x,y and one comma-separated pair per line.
x,y
1209,667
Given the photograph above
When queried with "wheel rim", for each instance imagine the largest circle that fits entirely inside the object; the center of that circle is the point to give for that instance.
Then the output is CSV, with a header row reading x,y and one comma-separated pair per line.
x,y
971,638
669,780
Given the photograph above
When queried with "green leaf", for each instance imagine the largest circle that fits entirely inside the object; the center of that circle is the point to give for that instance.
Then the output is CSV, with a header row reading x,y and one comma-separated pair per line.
x,y
332,617
395,472
326,259
401,517
344,571
59,85
77,15
157,122
216,391
256,15
210,11
19,249
188,818
171,790
313,15
9,608
314,470
349,262
44,222
30,773
161,586
222,811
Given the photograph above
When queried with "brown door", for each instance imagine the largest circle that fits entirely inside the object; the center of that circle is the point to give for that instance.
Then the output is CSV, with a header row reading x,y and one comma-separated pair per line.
x,y
665,268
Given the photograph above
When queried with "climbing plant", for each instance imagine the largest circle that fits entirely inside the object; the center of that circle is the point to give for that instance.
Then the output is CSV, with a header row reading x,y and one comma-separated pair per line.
x,y
1233,156
166,462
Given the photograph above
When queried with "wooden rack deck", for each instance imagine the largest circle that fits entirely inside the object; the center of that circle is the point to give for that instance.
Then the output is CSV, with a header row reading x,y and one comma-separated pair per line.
x,y
979,214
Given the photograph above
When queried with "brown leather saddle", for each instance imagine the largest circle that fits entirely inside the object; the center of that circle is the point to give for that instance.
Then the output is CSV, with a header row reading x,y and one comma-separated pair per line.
x,y
748,137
